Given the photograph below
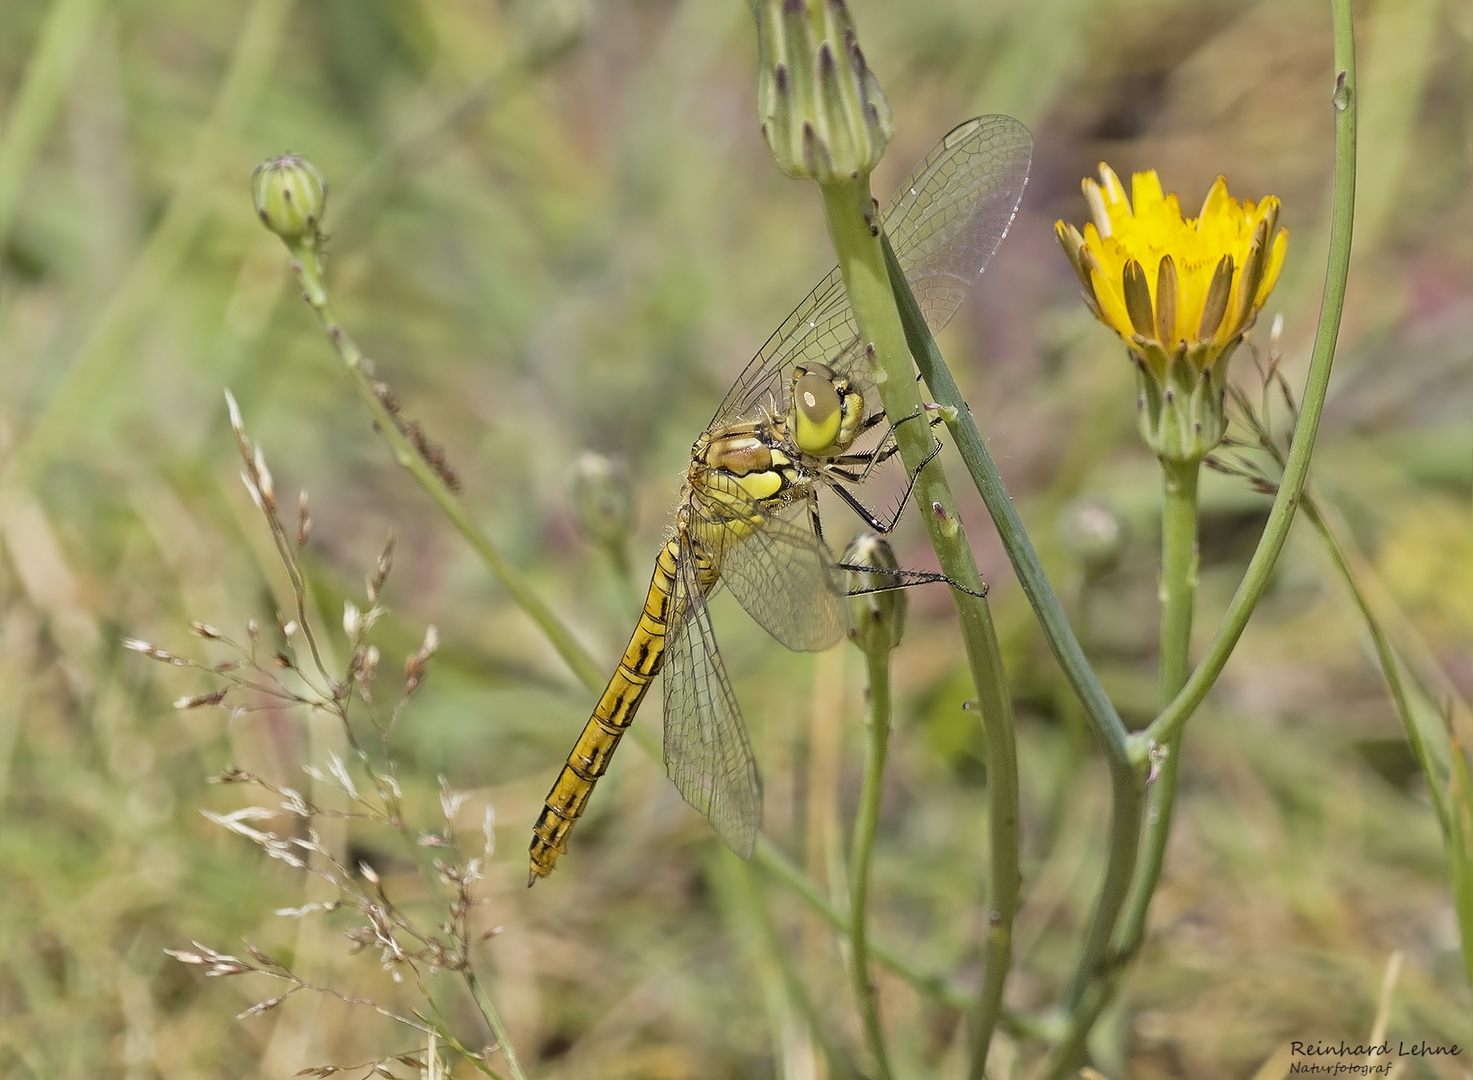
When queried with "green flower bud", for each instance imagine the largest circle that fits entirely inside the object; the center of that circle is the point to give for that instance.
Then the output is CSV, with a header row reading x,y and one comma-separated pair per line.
x,y
822,110
1095,534
291,197
603,500
876,619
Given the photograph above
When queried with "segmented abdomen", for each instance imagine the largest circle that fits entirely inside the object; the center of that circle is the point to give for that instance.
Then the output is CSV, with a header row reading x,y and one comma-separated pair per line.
x,y
611,718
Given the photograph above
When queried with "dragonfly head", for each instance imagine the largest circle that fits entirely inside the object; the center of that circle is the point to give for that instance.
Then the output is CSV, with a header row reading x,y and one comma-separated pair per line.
x,y
824,410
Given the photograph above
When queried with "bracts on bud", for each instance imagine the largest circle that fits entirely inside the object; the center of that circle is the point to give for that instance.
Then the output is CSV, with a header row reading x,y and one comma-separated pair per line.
x,y
822,111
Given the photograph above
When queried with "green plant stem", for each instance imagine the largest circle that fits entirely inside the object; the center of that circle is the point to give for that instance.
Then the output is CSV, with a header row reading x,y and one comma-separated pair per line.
x,y
777,866
866,820
1179,564
1449,788
740,890
1096,978
493,1018
1109,729
1126,777
306,265
848,209
1390,665
1342,213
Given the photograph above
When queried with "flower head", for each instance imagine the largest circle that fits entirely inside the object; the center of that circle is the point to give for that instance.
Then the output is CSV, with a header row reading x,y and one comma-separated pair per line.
x,y
290,197
1181,292
822,110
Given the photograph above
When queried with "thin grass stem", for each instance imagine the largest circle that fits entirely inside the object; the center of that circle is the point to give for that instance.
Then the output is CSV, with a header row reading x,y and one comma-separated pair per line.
x,y
1255,581
866,820
308,270
777,866
493,1018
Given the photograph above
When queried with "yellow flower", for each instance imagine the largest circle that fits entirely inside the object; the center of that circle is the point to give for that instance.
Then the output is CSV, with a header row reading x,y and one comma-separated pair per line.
x,y
1181,293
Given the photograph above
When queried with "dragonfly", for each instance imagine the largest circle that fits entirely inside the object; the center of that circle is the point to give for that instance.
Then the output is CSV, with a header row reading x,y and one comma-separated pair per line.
x,y
747,516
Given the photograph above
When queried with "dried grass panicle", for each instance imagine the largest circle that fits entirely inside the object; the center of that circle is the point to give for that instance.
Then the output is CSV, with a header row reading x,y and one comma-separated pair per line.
x,y
291,673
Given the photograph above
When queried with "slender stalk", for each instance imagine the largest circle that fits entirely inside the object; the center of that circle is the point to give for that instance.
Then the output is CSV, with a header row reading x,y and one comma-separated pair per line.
x,y
1322,357
777,866
862,263
1096,978
741,889
1105,721
867,818
1386,654
1448,788
493,1018
1126,777
308,270
1179,563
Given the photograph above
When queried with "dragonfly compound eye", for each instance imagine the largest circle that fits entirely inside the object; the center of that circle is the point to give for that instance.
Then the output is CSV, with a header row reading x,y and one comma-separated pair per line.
x,y
816,414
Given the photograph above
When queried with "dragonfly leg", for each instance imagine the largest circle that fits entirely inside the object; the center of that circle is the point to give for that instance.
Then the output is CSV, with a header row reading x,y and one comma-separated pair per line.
x,y
863,512
904,579
813,518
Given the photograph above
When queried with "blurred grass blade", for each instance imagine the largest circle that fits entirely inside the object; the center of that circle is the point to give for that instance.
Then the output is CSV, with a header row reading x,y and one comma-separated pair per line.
x,y
89,381
1460,849
66,34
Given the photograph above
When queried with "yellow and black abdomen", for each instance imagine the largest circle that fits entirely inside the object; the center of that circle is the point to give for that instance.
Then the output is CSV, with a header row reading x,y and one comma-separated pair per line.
x,y
611,718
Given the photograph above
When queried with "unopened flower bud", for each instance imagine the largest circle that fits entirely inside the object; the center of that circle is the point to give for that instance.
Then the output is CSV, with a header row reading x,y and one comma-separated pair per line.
x,y
822,110
876,606
603,499
291,197
1095,534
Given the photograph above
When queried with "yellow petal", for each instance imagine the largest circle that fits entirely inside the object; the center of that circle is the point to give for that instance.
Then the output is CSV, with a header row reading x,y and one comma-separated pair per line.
x,y
1099,210
1146,193
1137,292
1114,190
1275,264
1112,303
1167,297
1218,206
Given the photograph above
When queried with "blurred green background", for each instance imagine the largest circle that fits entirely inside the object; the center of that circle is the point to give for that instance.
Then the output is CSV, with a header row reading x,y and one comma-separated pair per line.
x,y
555,227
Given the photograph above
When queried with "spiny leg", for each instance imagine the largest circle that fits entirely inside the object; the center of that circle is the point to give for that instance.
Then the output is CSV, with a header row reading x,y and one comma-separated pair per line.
x,y
834,474
905,579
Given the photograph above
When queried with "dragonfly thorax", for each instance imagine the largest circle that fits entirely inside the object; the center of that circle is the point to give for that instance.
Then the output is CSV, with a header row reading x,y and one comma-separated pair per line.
x,y
824,410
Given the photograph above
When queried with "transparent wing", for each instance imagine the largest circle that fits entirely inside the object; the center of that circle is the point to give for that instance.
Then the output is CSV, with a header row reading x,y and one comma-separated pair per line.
x,y
707,752
785,578
945,222
950,216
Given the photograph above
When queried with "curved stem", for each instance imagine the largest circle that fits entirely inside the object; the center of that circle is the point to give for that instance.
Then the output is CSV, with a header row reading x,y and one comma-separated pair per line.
x,y
1126,778
1179,562
862,262
306,265
1097,976
776,864
1104,720
493,1018
1281,516
867,818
